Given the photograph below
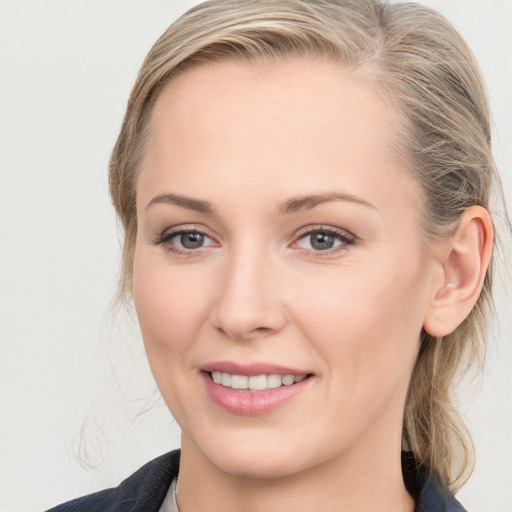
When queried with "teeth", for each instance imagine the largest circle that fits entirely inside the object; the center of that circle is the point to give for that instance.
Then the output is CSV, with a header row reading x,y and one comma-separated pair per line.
x,y
255,382
258,382
274,381
239,381
225,379
288,380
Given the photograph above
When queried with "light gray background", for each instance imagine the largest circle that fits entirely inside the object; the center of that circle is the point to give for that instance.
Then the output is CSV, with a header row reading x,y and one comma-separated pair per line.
x,y
66,67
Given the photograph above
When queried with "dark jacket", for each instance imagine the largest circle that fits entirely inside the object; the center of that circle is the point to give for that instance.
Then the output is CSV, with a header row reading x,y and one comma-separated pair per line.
x,y
145,490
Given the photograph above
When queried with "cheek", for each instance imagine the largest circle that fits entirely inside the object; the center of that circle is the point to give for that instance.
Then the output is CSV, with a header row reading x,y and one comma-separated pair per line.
x,y
170,309
169,305
366,324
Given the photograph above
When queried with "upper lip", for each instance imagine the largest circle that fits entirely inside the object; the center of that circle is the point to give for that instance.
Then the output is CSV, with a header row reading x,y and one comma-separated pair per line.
x,y
252,369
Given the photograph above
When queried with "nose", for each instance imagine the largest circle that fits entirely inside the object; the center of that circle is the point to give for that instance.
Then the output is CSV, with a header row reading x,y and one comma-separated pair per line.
x,y
248,303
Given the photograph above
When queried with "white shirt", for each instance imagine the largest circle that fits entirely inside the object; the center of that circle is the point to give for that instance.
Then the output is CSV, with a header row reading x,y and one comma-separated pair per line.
x,y
169,504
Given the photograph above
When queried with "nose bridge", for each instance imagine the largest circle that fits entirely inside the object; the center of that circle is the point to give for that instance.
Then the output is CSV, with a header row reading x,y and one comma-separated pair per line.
x,y
248,302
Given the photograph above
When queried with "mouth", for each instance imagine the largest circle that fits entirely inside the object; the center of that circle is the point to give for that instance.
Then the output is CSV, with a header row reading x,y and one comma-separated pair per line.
x,y
255,382
255,389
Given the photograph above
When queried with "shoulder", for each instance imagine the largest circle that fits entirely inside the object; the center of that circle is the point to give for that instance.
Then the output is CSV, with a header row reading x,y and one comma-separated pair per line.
x,y
143,491
434,498
430,495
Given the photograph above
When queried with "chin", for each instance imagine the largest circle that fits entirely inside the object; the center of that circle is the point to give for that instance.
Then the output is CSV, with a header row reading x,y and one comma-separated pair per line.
x,y
257,464
259,455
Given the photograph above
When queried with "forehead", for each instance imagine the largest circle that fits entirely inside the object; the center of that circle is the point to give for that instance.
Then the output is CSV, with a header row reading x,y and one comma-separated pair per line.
x,y
300,124
297,90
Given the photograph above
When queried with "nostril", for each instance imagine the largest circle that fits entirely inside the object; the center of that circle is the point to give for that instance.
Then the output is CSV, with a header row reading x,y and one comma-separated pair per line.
x,y
252,333
238,335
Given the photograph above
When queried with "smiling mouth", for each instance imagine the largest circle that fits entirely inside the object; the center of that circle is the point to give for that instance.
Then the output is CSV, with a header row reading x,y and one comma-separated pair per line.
x,y
255,382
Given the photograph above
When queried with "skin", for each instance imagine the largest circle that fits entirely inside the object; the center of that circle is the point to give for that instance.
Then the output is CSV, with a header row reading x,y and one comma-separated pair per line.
x,y
247,138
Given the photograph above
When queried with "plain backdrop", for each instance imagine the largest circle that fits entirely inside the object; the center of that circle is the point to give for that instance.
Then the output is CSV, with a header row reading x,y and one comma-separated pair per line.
x,y
74,381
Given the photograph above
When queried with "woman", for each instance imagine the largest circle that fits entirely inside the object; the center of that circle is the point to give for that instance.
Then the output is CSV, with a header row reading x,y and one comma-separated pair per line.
x,y
304,187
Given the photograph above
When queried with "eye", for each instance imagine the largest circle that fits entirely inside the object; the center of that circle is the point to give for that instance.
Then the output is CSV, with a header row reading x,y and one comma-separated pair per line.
x,y
324,240
184,240
190,240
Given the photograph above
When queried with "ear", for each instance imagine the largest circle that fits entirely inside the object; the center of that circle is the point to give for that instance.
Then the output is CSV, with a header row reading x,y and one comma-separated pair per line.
x,y
464,261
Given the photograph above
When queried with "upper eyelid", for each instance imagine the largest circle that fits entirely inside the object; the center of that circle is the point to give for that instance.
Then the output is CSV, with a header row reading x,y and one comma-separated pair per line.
x,y
302,231
330,229
187,228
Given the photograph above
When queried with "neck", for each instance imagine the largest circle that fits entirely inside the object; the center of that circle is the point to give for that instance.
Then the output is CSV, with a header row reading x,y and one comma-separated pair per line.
x,y
348,482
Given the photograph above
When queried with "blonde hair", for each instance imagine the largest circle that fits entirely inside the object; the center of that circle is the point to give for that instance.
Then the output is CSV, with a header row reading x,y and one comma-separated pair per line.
x,y
424,68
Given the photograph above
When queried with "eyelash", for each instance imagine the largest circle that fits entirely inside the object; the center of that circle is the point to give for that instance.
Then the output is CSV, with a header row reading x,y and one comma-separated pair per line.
x,y
168,235
342,236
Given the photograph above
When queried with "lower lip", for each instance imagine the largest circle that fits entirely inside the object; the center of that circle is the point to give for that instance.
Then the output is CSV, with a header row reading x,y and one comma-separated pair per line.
x,y
251,403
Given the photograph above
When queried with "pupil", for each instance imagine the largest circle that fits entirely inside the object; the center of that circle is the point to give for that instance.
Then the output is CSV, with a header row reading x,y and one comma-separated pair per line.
x,y
192,240
322,241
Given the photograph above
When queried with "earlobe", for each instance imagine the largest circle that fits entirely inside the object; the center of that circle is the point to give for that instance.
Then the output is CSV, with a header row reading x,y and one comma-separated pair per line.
x,y
464,261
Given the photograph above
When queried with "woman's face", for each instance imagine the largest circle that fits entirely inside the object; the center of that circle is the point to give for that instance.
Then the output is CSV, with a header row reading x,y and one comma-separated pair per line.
x,y
278,241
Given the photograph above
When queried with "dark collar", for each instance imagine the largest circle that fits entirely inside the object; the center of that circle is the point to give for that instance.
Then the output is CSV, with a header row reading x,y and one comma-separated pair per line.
x,y
428,493
145,490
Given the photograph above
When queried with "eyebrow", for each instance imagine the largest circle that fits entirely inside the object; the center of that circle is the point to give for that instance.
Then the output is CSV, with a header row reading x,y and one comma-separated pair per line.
x,y
197,205
297,204
292,205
